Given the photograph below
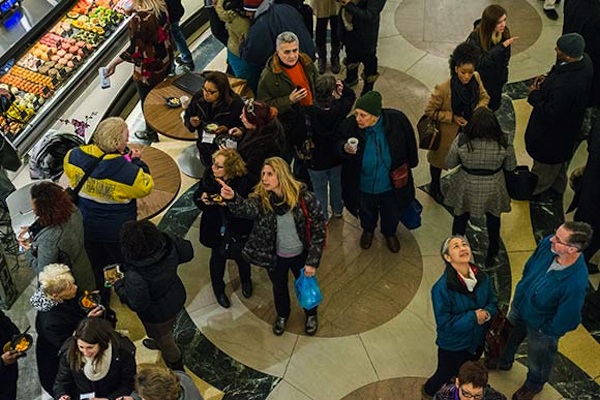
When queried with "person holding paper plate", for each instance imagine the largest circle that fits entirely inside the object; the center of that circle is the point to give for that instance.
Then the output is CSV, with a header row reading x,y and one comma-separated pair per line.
x,y
213,111
288,233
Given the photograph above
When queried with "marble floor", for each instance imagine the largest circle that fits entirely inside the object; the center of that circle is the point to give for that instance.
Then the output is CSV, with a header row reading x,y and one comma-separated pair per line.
x,y
377,332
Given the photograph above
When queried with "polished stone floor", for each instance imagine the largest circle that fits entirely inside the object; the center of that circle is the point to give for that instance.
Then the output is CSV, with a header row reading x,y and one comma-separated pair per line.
x,y
377,333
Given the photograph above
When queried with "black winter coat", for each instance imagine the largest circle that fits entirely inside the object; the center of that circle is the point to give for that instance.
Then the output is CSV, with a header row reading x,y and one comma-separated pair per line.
x,y
260,248
403,149
175,10
583,17
259,144
587,193
54,327
223,114
215,216
492,67
323,125
269,21
151,287
118,382
558,108
366,20
8,373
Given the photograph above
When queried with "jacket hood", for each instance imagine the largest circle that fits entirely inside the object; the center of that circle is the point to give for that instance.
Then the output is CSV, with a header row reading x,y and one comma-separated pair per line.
x,y
262,8
41,302
155,257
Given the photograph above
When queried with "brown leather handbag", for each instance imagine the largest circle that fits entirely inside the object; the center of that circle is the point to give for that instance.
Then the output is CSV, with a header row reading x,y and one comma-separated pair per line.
x,y
429,133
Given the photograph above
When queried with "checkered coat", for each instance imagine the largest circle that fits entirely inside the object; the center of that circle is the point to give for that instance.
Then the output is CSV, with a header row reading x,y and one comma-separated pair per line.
x,y
478,194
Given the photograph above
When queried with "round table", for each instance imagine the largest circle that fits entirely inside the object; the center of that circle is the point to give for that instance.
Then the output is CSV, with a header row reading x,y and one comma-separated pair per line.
x,y
165,175
168,121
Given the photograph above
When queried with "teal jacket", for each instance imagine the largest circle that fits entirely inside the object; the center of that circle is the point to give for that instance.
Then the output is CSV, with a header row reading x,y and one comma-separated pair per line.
x,y
551,302
454,308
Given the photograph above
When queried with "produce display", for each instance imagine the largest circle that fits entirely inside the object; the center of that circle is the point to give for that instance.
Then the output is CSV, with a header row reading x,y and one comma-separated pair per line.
x,y
48,63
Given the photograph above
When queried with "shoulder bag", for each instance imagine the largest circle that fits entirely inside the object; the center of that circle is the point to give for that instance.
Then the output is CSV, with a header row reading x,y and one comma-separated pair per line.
x,y
496,339
520,183
74,192
429,133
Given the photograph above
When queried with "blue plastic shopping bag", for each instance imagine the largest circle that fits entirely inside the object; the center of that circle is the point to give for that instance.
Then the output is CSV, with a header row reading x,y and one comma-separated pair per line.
x,y
307,290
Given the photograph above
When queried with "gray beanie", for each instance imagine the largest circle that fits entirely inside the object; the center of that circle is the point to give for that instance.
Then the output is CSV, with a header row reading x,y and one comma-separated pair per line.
x,y
572,44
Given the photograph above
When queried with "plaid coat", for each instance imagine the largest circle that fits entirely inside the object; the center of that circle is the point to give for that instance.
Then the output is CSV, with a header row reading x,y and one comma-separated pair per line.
x,y
479,194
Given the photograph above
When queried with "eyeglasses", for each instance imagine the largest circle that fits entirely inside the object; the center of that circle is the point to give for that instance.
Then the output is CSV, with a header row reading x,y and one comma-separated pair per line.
x,y
211,92
470,395
559,241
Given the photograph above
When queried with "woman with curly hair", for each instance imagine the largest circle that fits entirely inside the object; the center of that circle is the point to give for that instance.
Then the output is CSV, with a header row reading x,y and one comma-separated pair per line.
x,y
215,104
96,360
451,104
223,233
492,37
56,236
56,301
264,137
288,233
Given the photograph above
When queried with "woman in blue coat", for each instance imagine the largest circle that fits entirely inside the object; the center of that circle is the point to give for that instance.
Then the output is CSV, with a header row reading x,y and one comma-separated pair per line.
x,y
463,303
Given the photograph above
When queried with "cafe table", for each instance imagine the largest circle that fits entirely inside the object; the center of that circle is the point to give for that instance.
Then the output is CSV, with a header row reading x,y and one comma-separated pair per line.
x,y
169,122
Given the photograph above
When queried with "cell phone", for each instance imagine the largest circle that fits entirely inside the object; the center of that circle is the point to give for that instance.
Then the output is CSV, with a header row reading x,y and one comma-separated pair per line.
x,y
112,273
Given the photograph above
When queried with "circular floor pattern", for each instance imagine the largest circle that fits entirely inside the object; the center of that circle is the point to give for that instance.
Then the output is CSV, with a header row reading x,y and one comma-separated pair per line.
x,y
362,289
449,23
408,388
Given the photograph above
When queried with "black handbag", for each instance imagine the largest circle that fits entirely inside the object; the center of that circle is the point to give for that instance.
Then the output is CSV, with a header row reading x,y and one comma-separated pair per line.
x,y
429,133
520,183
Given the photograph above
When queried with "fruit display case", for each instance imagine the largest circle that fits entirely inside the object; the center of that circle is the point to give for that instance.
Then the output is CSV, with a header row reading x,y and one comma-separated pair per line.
x,y
48,72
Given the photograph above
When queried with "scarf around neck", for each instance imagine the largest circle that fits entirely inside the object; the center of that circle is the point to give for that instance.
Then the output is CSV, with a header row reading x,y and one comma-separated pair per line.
x,y
97,369
464,97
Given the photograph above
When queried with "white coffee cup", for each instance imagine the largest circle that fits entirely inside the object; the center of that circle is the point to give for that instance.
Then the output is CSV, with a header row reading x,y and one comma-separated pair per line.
x,y
353,143
185,101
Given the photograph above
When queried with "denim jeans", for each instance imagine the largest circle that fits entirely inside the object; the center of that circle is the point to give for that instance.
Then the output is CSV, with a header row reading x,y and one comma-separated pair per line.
x,y
331,178
180,42
383,205
541,351
244,70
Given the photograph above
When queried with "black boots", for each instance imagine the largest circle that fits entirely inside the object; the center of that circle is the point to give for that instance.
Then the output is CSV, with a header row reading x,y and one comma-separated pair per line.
x,y
335,59
322,59
351,73
369,83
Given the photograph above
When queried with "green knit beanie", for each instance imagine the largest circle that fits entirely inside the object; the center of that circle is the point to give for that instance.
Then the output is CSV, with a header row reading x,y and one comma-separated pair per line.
x,y
370,102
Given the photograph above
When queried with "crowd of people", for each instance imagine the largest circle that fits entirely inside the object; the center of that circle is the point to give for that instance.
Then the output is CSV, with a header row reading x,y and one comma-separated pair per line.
x,y
278,167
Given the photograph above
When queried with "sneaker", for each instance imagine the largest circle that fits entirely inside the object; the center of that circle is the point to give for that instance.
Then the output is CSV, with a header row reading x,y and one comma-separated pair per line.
x,y
279,326
524,393
311,325
181,61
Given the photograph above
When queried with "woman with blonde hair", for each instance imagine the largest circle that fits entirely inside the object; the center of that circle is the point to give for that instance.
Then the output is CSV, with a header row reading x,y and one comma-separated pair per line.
x,y
108,198
220,231
288,233
492,37
58,314
150,51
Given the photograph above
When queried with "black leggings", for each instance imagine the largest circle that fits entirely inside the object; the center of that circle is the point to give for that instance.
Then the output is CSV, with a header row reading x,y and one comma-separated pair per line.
x,y
459,226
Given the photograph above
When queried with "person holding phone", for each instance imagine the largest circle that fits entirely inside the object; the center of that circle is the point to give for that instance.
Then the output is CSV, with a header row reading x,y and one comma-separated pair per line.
x,y
150,285
287,83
